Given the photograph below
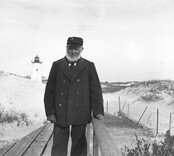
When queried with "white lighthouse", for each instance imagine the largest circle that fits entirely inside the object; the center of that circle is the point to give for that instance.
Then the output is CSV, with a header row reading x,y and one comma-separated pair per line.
x,y
36,71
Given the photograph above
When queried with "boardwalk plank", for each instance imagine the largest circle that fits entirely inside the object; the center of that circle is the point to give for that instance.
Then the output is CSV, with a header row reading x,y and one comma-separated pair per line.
x,y
106,143
39,144
69,146
4,151
47,151
17,149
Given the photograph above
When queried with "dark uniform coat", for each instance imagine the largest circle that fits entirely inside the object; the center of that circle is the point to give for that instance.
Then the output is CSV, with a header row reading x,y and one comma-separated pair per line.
x,y
72,97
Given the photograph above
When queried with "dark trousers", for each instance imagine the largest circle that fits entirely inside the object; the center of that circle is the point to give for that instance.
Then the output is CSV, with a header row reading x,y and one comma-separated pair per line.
x,y
60,141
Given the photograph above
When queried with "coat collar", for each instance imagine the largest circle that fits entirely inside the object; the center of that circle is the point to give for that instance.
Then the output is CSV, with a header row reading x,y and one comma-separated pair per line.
x,y
65,68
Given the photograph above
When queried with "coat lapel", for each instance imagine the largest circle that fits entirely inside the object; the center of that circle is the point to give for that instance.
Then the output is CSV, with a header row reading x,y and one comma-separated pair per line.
x,y
65,68
80,66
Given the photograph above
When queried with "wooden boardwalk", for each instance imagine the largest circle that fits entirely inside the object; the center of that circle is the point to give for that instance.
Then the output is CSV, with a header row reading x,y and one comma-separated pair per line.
x,y
39,142
36,143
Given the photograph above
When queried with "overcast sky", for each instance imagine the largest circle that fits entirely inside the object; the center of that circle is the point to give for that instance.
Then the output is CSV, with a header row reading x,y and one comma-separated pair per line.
x,y
126,39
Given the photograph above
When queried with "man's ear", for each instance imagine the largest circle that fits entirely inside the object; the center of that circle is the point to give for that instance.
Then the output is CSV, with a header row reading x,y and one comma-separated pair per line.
x,y
82,49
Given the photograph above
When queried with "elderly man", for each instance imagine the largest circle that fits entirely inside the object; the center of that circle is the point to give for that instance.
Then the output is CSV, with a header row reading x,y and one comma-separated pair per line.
x,y
72,92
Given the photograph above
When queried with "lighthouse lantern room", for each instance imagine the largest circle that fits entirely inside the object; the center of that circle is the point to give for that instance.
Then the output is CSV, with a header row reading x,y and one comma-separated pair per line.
x,y
36,71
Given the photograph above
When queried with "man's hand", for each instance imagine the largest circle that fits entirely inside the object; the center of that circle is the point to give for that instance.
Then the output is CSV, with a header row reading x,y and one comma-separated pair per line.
x,y
99,116
51,118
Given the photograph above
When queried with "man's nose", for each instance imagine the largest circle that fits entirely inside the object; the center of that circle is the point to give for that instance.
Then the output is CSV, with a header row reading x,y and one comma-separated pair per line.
x,y
73,51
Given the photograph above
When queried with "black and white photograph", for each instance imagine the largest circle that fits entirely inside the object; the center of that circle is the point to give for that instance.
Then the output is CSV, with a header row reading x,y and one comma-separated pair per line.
x,y
87,78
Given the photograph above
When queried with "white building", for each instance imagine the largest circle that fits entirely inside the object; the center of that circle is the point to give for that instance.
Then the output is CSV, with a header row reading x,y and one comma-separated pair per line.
x,y
36,71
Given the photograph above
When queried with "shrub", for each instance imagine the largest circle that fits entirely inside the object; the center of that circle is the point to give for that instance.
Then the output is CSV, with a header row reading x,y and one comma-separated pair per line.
x,y
8,117
150,97
12,116
143,148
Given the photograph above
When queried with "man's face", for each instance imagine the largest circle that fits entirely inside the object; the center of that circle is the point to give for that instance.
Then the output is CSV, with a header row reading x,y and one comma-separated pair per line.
x,y
74,51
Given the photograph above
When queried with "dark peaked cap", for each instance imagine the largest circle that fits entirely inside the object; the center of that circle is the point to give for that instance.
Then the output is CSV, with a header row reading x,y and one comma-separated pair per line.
x,y
75,41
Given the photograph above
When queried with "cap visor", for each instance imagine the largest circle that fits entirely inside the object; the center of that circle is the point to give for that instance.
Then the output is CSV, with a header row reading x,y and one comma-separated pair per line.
x,y
73,45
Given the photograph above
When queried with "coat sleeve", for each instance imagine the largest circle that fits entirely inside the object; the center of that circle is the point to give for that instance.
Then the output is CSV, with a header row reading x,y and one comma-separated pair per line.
x,y
96,97
49,96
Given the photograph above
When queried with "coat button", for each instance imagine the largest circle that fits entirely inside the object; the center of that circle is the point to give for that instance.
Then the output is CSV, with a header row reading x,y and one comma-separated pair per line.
x,y
61,93
78,80
64,81
60,104
78,92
